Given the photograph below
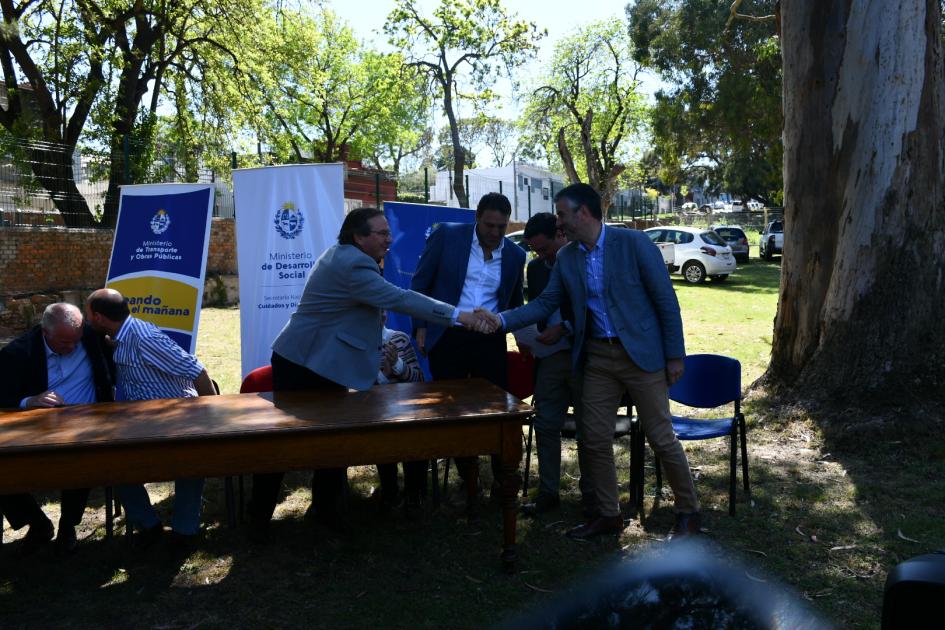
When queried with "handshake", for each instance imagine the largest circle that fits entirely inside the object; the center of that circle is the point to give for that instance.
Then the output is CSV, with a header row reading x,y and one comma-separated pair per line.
x,y
480,320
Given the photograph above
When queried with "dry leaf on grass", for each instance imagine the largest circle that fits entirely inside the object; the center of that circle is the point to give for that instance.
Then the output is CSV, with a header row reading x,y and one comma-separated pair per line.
x,y
904,537
760,553
472,579
810,537
536,588
842,548
754,579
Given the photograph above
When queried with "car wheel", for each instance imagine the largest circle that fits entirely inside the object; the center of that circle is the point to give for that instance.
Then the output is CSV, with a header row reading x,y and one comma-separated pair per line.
x,y
721,278
693,272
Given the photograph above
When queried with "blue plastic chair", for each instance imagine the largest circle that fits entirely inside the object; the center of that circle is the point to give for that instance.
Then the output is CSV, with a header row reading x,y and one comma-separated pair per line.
x,y
712,380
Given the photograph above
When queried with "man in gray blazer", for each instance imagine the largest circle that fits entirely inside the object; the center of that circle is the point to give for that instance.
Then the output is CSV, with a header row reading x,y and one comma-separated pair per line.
x,y
333,342
628,335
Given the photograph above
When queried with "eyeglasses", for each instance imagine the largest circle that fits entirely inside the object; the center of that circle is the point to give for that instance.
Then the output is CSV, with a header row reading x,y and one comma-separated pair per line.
x,y
384,233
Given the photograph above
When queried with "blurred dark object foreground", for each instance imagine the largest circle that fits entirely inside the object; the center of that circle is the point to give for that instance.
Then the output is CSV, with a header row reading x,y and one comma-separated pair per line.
x,y
915,594
684,585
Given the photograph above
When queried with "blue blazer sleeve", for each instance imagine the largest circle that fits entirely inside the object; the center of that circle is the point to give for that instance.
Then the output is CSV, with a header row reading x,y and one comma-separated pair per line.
x,y
659,287
425,276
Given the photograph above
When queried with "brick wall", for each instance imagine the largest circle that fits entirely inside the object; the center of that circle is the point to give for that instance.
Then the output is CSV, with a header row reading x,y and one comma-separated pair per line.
x,y
39,265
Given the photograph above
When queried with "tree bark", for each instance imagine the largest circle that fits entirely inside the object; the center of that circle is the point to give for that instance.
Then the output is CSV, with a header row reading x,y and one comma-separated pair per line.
x,y
862,277
459,153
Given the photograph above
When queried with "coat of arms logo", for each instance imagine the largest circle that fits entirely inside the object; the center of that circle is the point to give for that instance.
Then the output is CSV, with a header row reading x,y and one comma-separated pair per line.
x,y
289,220
160,221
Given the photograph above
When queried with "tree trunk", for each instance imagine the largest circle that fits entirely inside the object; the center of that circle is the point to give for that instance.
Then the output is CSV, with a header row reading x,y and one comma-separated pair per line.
x,y
862,277
459,153
52,166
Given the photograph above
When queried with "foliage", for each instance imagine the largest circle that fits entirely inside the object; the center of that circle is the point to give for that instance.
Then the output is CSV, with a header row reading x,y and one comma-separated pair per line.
x,y
463,40
718,126
588,109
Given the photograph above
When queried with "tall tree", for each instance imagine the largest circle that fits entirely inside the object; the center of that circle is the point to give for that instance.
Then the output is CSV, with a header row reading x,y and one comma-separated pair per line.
x,y
326,88
589,106
61,60
463,40
863,276
718,123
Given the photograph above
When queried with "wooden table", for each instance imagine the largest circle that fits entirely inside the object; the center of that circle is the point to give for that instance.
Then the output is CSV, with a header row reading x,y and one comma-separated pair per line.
x,y
135,442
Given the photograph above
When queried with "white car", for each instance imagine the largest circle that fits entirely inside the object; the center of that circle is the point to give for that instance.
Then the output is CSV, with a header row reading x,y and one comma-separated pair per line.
x,y
689,208
755,206
698,253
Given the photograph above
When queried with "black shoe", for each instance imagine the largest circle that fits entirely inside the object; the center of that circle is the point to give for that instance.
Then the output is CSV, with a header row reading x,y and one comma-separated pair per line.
x,y
542,503
37,536
147,538
183,542
597,527
66,541
686,525
413,508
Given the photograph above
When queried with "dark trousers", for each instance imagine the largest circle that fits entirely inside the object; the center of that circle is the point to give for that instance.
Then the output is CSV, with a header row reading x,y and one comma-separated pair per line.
x,y
327,484
461,353
415,479
22,509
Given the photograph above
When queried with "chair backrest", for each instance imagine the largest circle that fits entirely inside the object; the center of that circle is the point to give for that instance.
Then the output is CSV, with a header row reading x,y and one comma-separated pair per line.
x,y
710,380
521,374
259,380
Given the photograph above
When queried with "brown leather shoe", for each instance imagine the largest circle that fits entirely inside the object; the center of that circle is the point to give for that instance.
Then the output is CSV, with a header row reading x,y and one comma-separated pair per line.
x,y
597,527
686,525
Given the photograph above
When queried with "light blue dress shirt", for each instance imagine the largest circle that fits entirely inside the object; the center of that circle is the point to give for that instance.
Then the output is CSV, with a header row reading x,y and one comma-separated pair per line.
x,y
69,375
600,325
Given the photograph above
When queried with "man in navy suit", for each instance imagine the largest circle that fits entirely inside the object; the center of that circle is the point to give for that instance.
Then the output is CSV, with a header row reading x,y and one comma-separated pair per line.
x,y
475,267
628,337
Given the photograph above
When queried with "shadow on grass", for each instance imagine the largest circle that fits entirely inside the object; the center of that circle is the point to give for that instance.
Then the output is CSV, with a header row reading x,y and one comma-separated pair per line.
x,y
758,277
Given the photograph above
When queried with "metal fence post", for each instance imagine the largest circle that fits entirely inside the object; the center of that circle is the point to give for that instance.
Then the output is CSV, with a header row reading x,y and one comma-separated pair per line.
x,y
468,196
233,160
500,186
426,184
529,201
377,189
126,160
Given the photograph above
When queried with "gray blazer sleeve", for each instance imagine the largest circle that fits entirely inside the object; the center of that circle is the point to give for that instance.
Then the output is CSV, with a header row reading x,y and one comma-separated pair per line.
x,y
541,307
372,289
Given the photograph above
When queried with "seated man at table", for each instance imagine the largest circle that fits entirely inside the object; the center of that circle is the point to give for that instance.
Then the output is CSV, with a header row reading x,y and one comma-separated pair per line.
x,y
59,362
150,365
399,364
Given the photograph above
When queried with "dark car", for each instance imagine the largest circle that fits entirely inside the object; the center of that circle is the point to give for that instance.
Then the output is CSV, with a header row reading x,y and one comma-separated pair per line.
x,y
735,237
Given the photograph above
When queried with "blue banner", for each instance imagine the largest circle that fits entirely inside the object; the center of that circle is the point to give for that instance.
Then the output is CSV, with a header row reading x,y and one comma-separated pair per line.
x,y
159,255
410,226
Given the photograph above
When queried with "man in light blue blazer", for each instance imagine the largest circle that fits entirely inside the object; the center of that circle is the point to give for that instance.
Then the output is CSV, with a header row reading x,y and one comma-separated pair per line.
x,y
628,336
333,342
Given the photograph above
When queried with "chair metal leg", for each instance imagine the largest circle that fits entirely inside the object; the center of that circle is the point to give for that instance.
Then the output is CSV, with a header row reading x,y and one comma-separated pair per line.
x,y
109,515
637,453
744,437
659,475
239,509
446,478
230,495
733,466
434,471
528,457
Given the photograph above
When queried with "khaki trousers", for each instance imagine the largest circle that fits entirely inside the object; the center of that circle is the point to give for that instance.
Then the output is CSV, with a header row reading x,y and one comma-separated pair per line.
x,y
608,373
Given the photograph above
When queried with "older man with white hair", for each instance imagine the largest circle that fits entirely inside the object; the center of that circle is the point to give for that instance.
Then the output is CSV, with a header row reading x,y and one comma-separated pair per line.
x,y
60,362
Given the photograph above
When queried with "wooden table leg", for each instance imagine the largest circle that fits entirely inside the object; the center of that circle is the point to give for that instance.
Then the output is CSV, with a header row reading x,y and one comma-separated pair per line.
x,y
510,458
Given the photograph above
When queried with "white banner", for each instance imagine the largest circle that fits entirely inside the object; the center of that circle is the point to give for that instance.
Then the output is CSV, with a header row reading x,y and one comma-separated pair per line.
x,y
286,216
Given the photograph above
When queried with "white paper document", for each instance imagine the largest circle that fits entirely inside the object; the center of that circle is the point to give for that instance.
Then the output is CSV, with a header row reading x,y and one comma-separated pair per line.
x,y
528,337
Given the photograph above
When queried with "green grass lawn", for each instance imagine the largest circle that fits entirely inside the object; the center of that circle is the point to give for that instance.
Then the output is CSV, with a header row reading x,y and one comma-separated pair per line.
x,y
828,506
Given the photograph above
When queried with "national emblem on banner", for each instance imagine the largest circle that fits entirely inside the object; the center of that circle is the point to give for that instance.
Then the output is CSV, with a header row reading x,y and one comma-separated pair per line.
x,y
160,221
289,220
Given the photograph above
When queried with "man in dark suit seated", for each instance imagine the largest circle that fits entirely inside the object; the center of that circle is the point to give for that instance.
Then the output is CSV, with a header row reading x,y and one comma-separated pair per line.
x,y
60,362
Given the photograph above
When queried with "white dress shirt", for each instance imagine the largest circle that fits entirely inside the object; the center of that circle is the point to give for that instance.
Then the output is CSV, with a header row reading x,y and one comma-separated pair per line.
x,y
481,288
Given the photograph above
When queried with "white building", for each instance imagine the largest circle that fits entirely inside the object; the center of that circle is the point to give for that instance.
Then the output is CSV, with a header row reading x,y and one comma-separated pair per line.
x,y
530,188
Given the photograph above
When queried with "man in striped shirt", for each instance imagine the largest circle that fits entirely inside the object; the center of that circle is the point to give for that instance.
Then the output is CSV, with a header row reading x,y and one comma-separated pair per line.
x,y
150,365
